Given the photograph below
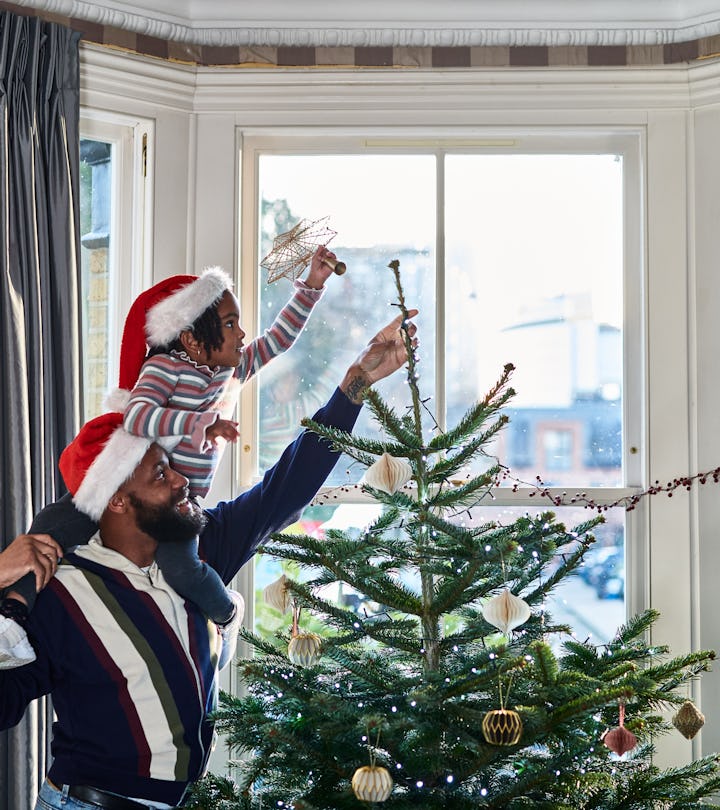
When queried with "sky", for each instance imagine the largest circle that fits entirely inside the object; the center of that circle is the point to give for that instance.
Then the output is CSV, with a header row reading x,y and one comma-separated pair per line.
x,y
538,225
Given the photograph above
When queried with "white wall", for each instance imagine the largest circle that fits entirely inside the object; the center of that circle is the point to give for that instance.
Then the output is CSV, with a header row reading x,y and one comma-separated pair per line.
x,y
199,114
704,215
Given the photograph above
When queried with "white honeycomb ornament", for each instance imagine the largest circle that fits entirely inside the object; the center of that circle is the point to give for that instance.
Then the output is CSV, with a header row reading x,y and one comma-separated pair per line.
x,y
388,474
372,783
304,649
506,611
276,594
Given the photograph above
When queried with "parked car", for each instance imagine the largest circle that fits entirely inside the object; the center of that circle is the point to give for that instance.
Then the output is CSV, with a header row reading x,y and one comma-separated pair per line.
x,y
593,568
610,583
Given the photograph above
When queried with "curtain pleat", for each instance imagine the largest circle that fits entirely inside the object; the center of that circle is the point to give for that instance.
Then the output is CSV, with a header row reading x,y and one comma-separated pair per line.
x,y
39,345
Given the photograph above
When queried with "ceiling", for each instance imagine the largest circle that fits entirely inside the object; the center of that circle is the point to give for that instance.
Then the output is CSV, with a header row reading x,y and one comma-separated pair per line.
x,y
403,22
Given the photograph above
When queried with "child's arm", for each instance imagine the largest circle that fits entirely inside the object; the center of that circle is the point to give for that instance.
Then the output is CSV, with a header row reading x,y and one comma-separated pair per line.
x,y
147,413
291,320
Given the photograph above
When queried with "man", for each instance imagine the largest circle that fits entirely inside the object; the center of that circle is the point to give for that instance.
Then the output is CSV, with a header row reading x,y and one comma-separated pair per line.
x,y
131,666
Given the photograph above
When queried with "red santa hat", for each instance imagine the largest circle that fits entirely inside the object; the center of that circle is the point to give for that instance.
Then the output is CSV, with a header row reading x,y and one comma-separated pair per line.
x,y
100,459
158,316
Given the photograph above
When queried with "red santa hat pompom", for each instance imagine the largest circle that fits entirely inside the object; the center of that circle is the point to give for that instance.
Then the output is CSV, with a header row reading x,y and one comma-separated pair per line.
x,y
100,459
158,316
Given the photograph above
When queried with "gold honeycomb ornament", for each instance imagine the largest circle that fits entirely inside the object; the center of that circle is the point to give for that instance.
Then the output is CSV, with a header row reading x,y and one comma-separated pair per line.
x,y
688,720
502,727
372,783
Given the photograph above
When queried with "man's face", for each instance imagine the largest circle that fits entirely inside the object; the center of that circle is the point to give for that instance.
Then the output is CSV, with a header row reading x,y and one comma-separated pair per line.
x,y
159,498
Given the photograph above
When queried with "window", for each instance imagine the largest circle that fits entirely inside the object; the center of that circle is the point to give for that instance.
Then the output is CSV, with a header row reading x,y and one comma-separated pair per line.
x,y
113,218
513,253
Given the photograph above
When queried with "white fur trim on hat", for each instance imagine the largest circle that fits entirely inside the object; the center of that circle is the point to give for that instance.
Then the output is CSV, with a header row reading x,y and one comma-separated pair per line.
x,y
176,313
117,400
112,467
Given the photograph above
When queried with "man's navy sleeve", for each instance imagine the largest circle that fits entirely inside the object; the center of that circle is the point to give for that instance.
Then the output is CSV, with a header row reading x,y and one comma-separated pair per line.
x,y
236,528
20,686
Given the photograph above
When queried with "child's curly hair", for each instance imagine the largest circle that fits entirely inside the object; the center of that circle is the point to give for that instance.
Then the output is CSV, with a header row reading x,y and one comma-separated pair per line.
x,y
206,329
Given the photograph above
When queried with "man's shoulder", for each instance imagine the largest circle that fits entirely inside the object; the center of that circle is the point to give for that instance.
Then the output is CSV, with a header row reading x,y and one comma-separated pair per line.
x,y
72,566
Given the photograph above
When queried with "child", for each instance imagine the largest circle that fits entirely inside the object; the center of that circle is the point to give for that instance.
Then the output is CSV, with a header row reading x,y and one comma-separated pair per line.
x,y
185,387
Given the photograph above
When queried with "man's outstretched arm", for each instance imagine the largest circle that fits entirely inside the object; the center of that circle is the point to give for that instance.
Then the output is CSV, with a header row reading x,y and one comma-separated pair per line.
x,y
237,527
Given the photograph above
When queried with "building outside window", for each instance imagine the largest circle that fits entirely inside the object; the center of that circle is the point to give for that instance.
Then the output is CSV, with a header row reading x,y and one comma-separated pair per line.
x,y
558,450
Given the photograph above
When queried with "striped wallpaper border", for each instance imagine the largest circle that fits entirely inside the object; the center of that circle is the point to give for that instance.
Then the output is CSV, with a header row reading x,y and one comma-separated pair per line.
x,y
382,57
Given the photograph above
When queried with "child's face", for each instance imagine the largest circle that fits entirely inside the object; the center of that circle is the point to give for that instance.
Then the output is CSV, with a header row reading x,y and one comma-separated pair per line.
x,y
230,352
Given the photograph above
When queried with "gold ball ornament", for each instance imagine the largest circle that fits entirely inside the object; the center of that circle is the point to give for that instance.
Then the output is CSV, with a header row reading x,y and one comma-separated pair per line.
x,y
304,649
372,783
502,727
688,720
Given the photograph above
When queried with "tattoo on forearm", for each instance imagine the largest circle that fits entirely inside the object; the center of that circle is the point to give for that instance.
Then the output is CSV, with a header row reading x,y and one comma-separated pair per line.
x,y
356,388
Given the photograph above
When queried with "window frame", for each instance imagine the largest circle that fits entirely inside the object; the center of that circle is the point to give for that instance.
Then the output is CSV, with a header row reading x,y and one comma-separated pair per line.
x,y
627,141
131,215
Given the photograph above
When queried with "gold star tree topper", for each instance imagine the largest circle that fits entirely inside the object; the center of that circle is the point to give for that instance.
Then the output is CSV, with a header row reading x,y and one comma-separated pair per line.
x,y
293,250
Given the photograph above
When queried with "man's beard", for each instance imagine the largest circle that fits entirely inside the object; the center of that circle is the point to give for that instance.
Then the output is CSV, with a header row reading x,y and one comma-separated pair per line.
x,y
165,524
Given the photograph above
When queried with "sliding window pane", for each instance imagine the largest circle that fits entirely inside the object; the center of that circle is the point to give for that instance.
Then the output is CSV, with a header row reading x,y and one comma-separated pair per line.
x,y
383,208
534,277
96,173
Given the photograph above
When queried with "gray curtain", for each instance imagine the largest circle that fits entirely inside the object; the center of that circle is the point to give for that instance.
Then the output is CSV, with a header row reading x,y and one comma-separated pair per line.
x,y
39,346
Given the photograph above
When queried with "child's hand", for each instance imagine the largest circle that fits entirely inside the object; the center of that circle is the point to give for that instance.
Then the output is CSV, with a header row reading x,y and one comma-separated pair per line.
x,y
222,428
319,271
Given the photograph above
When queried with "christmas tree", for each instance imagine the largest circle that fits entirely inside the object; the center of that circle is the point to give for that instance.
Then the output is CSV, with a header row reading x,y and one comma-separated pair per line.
x,y
460,691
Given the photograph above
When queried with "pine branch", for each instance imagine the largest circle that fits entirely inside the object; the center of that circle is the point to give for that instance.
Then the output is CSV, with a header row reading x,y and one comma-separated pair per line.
x,y
468,450
589,702
544,662
387,417
463,495
354,446
493,401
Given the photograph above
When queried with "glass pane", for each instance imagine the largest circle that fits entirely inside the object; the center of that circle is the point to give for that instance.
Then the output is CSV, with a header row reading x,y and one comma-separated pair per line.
x,y
95,217
383,208
591,601
534,277
314,521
